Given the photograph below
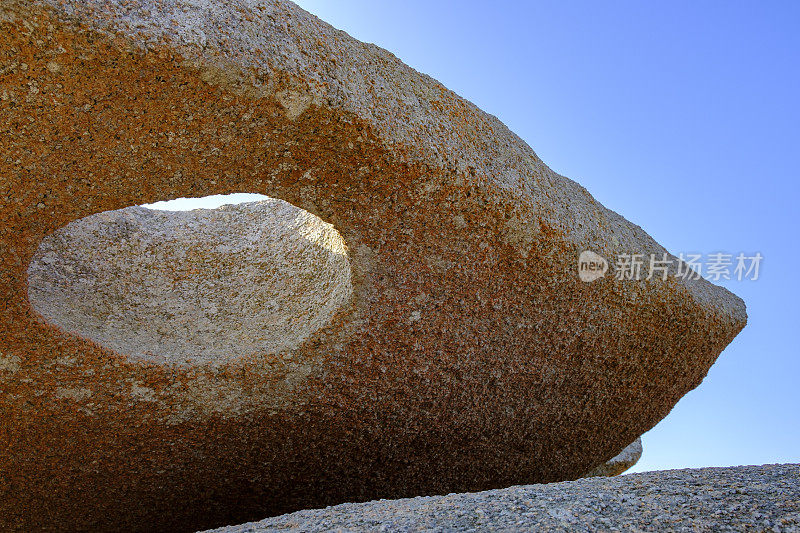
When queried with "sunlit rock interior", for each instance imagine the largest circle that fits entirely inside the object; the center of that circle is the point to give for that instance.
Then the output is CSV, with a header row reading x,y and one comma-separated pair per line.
x,y
194,285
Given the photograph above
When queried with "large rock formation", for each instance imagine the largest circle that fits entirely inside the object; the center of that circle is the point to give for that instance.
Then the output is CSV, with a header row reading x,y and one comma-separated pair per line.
x,y
469,354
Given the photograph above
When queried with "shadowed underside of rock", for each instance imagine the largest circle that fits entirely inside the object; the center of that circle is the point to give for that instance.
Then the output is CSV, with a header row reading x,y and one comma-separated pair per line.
x,y
468,356
621,462
745,498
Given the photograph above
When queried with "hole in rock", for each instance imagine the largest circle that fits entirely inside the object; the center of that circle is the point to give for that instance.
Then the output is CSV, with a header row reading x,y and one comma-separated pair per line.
x,y
192,280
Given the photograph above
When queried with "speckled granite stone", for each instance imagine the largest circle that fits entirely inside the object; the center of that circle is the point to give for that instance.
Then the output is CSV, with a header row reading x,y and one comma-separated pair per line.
x,y
745,498
469,355
193,287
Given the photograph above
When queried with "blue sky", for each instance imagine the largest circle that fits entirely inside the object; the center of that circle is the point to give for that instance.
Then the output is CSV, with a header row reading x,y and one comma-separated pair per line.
x,y
683,117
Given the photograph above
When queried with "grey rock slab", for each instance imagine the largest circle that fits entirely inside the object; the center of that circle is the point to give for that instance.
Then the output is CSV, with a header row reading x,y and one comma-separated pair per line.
x,y
744,498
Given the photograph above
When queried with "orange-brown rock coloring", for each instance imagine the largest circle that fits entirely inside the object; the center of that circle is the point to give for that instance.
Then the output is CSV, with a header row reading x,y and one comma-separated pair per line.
x,y
470,355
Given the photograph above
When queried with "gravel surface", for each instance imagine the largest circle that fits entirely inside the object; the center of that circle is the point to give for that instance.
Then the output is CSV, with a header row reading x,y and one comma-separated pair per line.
x,y
745,498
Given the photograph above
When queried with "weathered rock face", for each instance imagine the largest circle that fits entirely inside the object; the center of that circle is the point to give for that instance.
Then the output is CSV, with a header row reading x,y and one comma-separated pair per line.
x,y
207,285
469,354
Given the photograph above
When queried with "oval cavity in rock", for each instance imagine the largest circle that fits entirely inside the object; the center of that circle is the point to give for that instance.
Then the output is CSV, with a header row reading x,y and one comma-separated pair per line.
x,y
207,285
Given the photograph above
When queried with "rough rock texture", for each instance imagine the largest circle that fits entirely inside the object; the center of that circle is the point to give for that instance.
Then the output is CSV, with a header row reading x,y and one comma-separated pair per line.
x,y
745,498
193,286
470,355
620,462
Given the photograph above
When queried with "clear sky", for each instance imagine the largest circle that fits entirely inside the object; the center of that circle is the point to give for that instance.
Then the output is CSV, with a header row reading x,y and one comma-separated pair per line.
x,y
683,117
